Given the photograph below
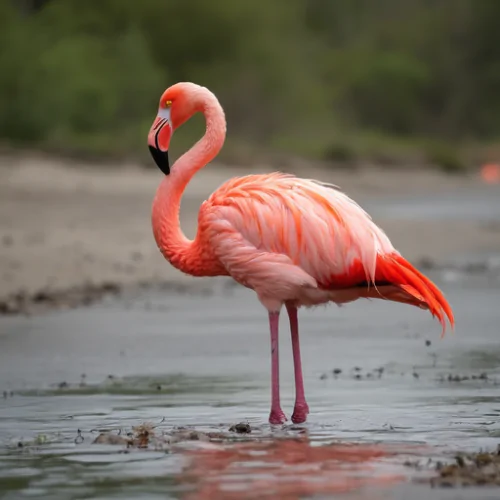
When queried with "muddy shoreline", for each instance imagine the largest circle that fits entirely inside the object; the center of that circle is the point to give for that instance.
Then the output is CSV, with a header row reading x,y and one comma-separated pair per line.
x,y
72,234
87,294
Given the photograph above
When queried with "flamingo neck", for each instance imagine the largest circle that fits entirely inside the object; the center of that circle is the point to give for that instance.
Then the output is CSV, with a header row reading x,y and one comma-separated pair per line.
x,y
181,252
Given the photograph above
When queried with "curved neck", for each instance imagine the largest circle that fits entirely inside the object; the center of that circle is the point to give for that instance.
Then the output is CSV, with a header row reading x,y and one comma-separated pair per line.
x,y
171,241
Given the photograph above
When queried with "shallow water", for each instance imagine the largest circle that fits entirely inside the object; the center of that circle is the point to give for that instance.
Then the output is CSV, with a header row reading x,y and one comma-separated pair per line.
x,y
471,204
202,361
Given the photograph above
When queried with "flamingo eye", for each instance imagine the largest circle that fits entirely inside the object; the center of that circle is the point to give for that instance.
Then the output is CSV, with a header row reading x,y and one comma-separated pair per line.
x,y
168,104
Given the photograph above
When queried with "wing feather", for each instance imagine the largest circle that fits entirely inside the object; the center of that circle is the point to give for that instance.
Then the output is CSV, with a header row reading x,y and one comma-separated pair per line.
x,y
299,239
315,225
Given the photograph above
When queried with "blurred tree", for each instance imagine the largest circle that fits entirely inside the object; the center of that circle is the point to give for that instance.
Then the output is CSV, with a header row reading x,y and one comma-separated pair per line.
x,y
88,72
29,5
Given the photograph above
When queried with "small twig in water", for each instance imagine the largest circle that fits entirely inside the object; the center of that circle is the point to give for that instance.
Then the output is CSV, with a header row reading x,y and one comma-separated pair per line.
x,y
79,438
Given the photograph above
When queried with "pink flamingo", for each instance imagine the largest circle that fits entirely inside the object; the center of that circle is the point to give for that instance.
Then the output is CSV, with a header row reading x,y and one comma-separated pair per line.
x,y
295,242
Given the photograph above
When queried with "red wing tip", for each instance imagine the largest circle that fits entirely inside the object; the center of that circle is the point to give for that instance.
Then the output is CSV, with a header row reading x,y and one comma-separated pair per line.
x,y
444,325
452,330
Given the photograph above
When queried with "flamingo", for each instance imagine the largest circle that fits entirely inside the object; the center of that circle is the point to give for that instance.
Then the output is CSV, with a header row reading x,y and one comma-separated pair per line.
x,y
295,242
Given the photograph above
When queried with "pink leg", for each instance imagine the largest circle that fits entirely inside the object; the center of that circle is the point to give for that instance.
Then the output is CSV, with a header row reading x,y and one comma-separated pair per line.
x,y
301,409
276,416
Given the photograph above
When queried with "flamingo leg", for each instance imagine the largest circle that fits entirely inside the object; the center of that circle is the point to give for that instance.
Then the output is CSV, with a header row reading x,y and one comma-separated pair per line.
x,y
277,415
301,409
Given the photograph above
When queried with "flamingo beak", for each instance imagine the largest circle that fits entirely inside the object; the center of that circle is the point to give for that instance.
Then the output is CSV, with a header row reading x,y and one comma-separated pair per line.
x,y
159,140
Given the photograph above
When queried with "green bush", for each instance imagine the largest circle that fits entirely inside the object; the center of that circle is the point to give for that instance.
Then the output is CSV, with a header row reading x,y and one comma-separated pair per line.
x,y
446,157
340,152
21,104
88,74
97,86
385,90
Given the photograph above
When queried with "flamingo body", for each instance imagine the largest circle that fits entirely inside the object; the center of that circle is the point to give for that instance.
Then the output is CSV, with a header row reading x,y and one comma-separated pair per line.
x,y
295,242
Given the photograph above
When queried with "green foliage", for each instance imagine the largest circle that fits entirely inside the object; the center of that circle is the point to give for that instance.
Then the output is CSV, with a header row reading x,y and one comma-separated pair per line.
x,y
446,158
385,91
340,152
20,108
291,74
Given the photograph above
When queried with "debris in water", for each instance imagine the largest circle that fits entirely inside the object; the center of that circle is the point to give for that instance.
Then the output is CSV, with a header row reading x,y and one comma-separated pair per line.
x,y
140,437
142,434
110,438
79,438
148,436
41,439
191,435
463,378
475,469
241,428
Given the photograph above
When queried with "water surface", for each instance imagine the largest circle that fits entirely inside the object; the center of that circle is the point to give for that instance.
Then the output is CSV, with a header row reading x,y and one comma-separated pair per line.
x,y
201,361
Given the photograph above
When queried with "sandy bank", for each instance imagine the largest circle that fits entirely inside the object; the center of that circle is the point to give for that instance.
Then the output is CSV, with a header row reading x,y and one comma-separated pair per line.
x,y
64,225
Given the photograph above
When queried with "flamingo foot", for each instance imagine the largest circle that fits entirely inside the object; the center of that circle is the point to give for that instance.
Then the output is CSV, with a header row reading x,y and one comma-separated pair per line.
x,y
300,412
277,417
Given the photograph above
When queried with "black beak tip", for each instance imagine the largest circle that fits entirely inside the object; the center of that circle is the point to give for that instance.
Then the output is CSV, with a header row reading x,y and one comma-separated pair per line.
x,y
161,159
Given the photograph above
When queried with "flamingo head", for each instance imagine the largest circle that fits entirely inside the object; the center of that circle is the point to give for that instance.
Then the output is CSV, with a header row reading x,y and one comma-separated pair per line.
x,y
177,104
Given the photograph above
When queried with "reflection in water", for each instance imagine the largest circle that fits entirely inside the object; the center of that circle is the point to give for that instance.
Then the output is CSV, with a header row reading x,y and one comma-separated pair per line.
x,y
286,469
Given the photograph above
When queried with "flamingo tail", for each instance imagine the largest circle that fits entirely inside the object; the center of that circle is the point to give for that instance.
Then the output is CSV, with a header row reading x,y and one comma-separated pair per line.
x,y
419,290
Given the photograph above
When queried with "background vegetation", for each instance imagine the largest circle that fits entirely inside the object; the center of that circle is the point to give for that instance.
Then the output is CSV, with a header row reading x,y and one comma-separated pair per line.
x,y
336,80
